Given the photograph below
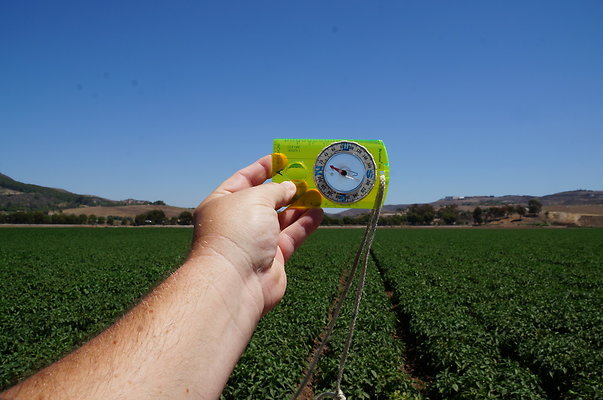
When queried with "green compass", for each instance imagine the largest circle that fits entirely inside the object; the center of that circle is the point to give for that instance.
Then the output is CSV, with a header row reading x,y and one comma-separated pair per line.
x,y
331,173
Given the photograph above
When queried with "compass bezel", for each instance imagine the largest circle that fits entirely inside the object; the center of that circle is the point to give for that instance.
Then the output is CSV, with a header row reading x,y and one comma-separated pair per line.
x,y
368,175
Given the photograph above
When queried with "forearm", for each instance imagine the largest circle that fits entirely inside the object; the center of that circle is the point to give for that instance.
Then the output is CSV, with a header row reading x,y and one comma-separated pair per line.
x,y
183,339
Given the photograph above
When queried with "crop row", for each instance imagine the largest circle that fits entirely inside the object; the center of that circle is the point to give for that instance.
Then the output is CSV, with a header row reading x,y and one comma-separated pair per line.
x,y
61,286
502,314
375,366
272,364
279,352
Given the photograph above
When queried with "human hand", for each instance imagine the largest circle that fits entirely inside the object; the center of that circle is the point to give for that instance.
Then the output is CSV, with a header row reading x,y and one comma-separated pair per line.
x,y
238,222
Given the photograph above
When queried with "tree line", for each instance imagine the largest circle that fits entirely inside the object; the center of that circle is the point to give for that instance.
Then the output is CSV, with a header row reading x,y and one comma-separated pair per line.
x,y
153,217
416,215
426,214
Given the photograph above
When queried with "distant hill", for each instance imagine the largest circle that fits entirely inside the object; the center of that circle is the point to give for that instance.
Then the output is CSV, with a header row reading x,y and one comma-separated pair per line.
x,y
570,198
18,196
573,198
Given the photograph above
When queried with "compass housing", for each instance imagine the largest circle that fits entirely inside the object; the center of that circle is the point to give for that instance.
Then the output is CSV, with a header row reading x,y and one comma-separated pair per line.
x,y
344,172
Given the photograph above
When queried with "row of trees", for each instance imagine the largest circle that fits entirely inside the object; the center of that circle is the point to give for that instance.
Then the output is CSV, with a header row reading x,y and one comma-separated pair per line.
x,y
495,213
426,214
154,217
386,220
158,217
417,214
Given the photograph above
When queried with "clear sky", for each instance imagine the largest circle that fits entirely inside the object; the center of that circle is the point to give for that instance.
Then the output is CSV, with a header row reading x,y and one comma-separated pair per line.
x,y
164,100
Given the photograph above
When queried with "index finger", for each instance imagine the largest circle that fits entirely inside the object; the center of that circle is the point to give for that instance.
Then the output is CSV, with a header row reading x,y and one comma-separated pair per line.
x,y
252,175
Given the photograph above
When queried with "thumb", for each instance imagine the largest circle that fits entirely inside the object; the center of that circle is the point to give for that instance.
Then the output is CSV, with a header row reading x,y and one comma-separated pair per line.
x,y
277,194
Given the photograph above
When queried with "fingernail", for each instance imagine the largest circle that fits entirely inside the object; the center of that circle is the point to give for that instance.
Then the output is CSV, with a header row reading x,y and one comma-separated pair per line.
x,y
292,187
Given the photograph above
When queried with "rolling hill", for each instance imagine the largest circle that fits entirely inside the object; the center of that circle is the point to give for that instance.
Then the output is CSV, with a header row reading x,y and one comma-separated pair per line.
x,y
18,196
579,197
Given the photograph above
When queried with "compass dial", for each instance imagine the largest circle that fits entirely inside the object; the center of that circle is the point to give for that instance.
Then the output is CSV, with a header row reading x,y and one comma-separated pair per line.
x,y
344,172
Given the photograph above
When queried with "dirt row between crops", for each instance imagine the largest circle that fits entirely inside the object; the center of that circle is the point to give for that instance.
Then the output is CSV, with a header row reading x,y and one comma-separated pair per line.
x,y
308,392
419,372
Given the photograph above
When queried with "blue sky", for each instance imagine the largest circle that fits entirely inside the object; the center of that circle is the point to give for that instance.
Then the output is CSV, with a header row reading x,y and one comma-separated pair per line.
x,y
164,100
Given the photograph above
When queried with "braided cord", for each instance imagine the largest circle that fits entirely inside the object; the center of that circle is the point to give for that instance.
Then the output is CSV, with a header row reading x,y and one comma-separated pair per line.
x,y
363,252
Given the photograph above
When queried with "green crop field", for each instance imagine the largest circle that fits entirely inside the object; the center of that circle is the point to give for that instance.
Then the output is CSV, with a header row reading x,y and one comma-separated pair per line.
x,y
447,314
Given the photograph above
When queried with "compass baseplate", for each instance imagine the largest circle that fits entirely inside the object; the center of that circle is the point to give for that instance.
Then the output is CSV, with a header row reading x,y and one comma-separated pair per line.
x,y
331,173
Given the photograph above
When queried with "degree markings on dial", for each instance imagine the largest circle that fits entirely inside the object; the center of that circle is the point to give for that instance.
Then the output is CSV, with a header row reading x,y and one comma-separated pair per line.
x,y
345,162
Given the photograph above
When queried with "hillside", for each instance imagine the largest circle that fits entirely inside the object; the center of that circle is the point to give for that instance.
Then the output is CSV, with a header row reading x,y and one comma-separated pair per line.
x,y
569,198
18,196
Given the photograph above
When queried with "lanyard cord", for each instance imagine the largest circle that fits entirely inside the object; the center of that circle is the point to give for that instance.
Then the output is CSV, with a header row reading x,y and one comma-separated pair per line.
x,y
362,253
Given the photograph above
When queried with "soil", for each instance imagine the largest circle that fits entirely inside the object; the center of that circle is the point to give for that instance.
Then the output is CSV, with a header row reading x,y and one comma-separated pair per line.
x,y
589,209
126,211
